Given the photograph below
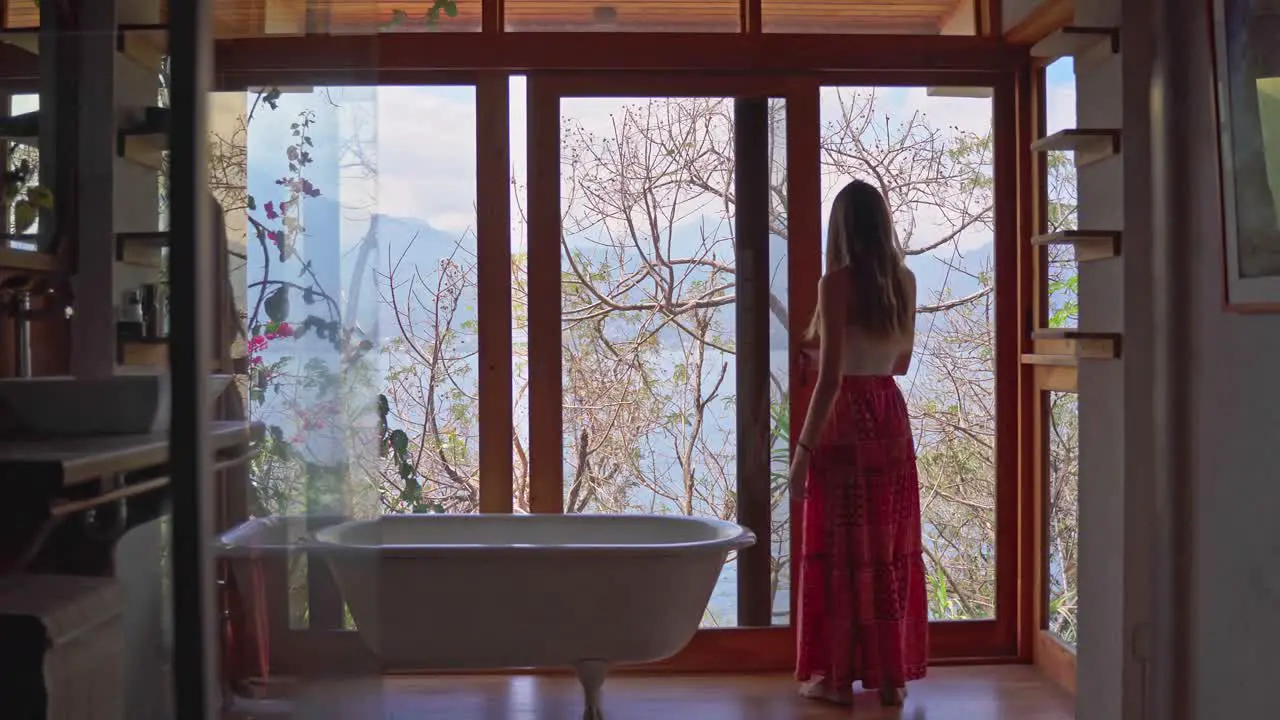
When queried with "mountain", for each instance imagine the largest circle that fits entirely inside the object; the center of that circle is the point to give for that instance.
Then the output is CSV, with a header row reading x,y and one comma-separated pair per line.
x,y
414,243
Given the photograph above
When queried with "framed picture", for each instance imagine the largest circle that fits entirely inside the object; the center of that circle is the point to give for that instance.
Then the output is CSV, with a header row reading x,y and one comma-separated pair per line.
x,y
1247,80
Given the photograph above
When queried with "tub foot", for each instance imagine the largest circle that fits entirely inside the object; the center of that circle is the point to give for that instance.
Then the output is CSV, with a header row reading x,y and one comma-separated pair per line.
x,y
591,673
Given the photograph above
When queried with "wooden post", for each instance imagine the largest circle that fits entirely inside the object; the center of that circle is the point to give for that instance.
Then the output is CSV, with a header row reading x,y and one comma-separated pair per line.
x,y
751,248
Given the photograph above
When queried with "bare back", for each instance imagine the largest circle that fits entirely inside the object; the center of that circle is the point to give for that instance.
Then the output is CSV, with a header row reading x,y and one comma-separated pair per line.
x,y
862,354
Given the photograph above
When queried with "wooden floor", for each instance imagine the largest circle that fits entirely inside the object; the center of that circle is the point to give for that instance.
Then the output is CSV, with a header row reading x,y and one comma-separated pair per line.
x,y
968,693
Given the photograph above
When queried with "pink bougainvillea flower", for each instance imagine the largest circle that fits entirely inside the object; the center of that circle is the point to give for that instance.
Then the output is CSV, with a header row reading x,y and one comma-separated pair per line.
x,y
285,330
255,360
270,209
257,343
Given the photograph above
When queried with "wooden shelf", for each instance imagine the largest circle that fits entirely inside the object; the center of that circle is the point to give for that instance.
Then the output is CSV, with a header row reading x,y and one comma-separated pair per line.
x,y
1047,360
144,147
1077,343
1058,373
1089,146
144,44
148,352
1089,244
142,248
1077,41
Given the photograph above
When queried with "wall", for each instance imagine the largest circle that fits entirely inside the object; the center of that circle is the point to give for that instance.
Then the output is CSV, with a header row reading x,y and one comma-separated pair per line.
x,y
1111,300
1234,382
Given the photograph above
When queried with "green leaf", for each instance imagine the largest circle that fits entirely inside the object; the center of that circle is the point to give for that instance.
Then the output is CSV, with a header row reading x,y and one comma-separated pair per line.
x,y
40,196
277,304
400,442
24,216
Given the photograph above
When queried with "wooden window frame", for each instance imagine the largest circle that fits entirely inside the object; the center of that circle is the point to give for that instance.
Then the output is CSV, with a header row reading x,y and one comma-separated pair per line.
x,y
749,63
1048,364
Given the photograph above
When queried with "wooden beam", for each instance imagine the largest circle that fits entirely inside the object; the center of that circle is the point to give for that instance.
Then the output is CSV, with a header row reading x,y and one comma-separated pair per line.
x,y
769,52
493,287
546,411
804,261
1032,278
751,260
1008,344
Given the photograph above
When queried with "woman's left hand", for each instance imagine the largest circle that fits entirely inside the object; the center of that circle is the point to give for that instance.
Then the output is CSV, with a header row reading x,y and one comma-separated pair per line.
x,y
799,472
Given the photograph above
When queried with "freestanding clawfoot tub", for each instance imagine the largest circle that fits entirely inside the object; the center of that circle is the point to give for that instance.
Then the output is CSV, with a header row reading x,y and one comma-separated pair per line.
x,y
437,592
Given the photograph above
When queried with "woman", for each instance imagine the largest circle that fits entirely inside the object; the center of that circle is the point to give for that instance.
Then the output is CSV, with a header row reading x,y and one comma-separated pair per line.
x,y
863,613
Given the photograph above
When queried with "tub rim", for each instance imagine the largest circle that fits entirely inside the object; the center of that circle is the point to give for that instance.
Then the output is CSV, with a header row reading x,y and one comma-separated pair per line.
x,y
737,538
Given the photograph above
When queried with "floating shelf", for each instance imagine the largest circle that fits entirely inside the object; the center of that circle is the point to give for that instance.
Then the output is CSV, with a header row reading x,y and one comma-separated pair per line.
x,y
1089,244
141,248
1089,146
144,44
1077,41
142,351
1057,373
144,147
1049,360
1078,343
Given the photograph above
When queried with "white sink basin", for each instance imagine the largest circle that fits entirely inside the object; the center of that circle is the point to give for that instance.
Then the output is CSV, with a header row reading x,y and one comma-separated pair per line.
x,y
125,404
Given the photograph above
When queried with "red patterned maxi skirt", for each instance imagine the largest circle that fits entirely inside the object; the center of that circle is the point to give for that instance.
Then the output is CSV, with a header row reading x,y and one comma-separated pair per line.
x,y
863,613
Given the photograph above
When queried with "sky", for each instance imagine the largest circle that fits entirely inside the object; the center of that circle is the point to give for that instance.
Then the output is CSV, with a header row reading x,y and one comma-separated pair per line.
x,y
423,139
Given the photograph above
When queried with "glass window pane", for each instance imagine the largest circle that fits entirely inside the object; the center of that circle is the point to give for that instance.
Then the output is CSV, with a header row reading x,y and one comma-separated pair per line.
x,y
1064,277
1063,453
518,129
896,17
22,158
779,365
622,15
648,312
930,152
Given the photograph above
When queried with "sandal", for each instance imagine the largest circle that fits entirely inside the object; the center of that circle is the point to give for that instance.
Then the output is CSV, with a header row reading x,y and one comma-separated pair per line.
x,y
819,689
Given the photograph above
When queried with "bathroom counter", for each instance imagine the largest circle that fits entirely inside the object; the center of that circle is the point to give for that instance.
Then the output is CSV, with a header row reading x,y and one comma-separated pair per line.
x,y
57,463
68,500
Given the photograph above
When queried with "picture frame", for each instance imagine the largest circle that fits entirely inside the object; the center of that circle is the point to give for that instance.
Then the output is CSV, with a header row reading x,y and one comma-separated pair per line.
x,y
1246,68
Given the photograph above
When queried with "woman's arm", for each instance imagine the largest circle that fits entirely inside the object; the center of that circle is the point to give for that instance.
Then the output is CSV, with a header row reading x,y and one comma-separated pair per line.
x,y
903,363
833,294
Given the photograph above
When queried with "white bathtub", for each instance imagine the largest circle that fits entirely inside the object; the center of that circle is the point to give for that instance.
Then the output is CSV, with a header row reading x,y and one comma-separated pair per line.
x,y
435,592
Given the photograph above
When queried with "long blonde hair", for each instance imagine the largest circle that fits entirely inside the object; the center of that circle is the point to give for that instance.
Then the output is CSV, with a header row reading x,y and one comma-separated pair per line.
x,y
860,236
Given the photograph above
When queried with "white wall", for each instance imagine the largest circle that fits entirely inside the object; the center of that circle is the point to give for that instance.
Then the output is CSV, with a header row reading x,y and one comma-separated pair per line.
x,y
1235,449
